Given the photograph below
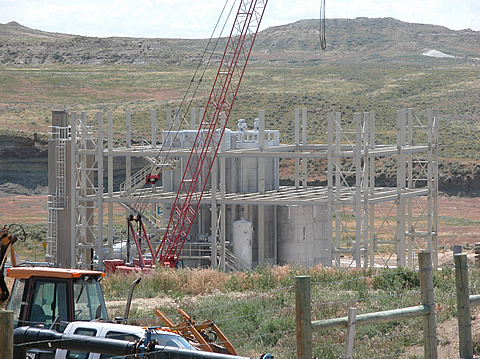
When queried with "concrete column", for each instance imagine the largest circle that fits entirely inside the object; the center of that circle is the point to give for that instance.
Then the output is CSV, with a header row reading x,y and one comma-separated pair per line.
x,y
261,234
304,142
110,185
338,179
72,187
168,119
358,189
409,184
297,147
331,197
59,168
401,185
99,244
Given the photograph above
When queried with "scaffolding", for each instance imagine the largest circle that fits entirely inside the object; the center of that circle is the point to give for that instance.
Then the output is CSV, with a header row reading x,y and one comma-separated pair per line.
x,y
366,224
56,200
383,226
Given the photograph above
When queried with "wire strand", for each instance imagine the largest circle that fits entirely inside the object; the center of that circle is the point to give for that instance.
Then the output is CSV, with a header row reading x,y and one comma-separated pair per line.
x,y
142,200
322,25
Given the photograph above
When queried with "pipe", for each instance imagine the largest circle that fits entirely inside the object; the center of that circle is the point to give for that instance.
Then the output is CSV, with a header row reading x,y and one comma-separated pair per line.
x,y
162,352
129,300
46,339
30,337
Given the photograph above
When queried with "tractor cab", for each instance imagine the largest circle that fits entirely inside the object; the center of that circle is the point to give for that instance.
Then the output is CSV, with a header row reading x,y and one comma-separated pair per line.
x,y
52,297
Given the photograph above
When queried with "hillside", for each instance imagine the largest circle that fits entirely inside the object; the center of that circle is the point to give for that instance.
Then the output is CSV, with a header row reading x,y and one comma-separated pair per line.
x,y
348,40
370,64
368,40
14,30
20,45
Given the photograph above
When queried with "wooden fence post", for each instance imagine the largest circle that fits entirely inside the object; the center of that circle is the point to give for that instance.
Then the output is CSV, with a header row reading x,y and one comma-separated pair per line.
x,y
429,321
350,337
6,334
303,319
463,306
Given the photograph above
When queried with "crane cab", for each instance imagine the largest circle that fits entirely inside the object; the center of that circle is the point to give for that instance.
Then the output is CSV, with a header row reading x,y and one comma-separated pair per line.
x,y
52,297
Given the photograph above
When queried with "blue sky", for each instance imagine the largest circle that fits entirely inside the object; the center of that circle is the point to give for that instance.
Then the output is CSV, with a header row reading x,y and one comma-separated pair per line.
x,y
196,18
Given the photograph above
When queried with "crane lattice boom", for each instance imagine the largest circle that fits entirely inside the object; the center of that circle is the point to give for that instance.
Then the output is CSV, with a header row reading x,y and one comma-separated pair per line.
x,y
211,129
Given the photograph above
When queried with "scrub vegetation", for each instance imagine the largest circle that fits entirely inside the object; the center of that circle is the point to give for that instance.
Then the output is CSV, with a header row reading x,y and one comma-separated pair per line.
x,y
256,310
370,64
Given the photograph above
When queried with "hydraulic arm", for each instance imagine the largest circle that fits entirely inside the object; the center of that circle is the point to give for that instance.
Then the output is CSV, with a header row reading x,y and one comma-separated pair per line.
x,y
6,242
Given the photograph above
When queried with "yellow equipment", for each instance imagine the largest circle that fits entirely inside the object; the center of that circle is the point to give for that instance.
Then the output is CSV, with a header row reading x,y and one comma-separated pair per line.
x,y
6,245
206,336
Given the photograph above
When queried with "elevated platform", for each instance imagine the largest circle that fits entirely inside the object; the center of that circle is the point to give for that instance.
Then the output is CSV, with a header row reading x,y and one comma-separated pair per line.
x,y
285,195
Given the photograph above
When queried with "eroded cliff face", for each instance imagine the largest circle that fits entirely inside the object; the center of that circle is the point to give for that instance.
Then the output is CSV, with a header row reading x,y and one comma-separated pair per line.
x,y
23,164
24,169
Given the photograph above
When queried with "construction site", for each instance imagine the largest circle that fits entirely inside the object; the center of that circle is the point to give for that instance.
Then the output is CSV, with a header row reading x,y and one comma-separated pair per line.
x,y
209,193
206,191
246,218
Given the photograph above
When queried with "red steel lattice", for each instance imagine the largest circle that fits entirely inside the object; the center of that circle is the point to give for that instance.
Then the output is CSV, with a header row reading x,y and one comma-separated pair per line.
x,y
211,129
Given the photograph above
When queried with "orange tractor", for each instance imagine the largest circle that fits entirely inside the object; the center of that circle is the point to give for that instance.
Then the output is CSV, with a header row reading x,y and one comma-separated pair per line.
x,y
54,297
49,296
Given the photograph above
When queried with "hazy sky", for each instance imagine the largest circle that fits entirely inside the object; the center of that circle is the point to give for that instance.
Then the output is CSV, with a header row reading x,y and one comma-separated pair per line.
x,y
197,18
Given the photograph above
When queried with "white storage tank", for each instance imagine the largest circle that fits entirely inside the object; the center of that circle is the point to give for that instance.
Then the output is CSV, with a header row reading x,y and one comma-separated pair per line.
x,y
302,235
242,174
242,240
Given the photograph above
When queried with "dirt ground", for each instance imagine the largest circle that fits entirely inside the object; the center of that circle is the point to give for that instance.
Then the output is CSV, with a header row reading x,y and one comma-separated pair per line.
x,y
463,209
33,209
447,339
23,209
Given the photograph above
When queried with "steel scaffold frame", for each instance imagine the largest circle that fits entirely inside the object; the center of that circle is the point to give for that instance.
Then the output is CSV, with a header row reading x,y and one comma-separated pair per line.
x,y
360,215
87,190
359,209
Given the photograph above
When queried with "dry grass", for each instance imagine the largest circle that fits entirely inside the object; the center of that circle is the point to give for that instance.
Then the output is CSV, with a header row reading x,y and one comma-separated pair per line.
x,y
205,281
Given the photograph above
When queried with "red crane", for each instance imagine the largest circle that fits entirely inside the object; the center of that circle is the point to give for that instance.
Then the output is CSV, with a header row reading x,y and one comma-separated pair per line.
x,y
211,129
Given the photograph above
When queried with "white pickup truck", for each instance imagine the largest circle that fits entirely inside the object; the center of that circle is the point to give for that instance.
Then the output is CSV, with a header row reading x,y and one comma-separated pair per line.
x,y
117,331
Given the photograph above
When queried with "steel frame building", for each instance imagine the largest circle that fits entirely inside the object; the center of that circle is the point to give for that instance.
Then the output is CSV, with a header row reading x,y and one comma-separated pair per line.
x,y
364,224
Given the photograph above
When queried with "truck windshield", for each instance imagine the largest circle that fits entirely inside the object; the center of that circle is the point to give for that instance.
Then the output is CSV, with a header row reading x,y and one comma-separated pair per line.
x,y
172,341
88,300
49,301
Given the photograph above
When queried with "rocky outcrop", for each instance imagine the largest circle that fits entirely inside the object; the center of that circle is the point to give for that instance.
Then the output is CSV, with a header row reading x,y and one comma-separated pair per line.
x,y
23,163
24,170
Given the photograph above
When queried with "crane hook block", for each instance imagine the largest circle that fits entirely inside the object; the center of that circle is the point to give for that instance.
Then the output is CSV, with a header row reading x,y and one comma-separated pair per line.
x,y
152,179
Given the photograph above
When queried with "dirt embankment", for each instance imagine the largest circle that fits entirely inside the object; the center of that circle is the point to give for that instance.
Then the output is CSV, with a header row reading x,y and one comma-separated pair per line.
x,y
24,169
23,164
456,178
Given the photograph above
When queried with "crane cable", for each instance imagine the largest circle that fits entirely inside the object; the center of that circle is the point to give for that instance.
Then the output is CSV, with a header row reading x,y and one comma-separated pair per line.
x,y
142,200
322,30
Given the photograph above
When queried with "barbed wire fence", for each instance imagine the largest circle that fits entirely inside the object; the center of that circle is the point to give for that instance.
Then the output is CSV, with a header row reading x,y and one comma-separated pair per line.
x,y
268,322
